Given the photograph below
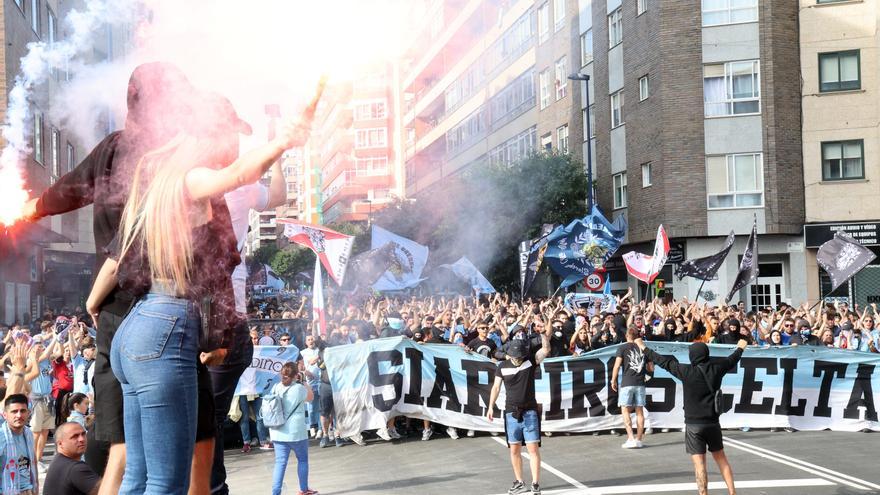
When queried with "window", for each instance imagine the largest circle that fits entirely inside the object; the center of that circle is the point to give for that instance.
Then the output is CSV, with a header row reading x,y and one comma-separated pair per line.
x,y
514,99
643,88
562,139
35,16
646,174
843,160
718,12
592,121
558,14
641,6
71,157
587,47
617,109
839,71
376,165
371,138
20,4
547,142
735,181
619,190
543,23
467,132
561,79
515,148
370,110
733,88
56,152
38,137
615,28
544,84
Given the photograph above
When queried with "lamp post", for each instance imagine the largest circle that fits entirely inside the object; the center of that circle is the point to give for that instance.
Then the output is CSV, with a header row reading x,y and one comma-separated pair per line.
x,y
586,79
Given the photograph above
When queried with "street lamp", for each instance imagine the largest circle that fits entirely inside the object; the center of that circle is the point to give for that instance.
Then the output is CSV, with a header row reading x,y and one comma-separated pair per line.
x,y
580,76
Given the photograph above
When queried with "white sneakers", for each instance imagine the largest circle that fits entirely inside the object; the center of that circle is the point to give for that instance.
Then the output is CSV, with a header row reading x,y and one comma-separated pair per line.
x,y
426,434
393,432
632,444
384,434
452,432
471,433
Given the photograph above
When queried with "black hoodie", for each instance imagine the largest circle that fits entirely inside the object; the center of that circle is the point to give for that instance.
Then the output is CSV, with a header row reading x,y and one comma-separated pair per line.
x,y
699,401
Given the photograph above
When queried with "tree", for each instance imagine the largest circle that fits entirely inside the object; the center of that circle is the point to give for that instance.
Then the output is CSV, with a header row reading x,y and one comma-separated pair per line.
x,y
291,260
485,213
263,255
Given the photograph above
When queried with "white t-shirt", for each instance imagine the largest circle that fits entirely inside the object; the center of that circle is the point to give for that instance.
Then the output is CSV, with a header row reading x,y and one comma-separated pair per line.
x,y
240,202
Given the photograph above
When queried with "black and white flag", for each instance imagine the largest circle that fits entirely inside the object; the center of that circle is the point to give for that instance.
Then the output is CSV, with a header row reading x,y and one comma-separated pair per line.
x,y
843,257
705,268
748,267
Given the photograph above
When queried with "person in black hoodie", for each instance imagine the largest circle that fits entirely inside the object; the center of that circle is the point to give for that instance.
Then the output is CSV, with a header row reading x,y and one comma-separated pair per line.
x,y
701,379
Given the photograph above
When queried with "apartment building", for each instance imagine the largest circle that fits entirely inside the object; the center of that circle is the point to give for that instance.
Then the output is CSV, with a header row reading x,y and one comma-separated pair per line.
x,y
293,163
35,272
356,164
697,123
469,88
841,136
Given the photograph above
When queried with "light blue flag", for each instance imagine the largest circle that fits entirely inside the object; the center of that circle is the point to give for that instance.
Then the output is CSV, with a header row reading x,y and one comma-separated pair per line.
x,y
584,245
265,367
408,262
465,270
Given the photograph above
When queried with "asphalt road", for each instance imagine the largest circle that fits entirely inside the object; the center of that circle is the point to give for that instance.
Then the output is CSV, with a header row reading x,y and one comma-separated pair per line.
x,y
777,463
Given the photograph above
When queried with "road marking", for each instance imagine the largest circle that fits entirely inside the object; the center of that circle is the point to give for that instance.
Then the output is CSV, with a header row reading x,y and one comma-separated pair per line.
x,y
568,479
689,487
788,460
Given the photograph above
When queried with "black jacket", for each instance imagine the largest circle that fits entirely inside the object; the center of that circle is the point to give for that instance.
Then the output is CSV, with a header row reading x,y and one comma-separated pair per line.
x,y
699,407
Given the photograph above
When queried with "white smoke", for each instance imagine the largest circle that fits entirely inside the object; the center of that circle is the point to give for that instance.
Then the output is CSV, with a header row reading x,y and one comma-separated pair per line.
x,y
43,58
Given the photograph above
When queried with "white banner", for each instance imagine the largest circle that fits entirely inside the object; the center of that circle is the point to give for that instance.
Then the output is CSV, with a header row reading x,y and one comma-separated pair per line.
x,y
808,388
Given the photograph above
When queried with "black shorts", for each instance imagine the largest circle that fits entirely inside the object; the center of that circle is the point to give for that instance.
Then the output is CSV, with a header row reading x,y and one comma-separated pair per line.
x,y
325,395
109,425
698,437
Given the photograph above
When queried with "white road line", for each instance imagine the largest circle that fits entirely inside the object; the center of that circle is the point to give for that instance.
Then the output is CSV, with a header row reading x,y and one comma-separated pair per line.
x,y
691,487
835,476
820,469
568,479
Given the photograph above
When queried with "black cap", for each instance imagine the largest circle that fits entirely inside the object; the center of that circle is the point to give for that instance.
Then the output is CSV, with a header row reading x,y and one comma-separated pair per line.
x,y
518,349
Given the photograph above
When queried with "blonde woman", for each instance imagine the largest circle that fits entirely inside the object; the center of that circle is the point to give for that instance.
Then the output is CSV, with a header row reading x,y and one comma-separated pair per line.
x,y
168,241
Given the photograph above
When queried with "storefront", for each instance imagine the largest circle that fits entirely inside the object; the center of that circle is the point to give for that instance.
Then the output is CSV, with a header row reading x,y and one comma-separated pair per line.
x,y
862,289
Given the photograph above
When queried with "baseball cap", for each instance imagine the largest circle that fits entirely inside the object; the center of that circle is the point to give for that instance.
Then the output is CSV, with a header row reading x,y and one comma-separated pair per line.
x,y
518,349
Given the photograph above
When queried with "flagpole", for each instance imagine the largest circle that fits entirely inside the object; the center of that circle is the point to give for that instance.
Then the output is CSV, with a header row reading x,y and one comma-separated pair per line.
x,y
699,291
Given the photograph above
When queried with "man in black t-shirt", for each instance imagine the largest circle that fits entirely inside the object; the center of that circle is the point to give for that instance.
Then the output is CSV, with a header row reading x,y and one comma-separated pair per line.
x,y
522,414
68,474
636,368
482,344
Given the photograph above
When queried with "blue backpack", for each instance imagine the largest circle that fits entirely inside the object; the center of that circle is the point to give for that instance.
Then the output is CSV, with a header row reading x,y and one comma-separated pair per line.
x,y
272,410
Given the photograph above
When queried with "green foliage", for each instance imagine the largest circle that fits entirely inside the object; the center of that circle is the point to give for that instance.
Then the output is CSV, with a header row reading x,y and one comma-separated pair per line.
x,y
485,213
265,253
291,260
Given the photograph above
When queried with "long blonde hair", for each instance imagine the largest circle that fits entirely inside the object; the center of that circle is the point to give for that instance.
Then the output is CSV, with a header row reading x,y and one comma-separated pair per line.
x,y
158,213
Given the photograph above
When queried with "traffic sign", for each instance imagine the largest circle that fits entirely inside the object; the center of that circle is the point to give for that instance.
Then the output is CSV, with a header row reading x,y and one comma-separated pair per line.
x,y
594,281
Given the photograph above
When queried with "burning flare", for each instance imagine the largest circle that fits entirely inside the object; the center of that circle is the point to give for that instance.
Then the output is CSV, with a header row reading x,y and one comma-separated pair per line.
x,y
13,195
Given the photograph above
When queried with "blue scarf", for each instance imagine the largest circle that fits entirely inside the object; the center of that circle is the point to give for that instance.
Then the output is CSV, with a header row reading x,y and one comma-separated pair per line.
x,y
10,467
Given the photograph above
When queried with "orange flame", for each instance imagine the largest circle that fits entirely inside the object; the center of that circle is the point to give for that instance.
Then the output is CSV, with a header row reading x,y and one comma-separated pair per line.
x,y
13,194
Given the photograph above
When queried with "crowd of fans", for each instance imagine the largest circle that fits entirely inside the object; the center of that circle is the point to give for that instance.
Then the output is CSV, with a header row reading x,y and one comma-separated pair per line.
x,y
486,324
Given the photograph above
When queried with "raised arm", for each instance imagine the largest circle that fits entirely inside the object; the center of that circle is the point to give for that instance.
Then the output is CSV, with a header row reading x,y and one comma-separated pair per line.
x,y
669,363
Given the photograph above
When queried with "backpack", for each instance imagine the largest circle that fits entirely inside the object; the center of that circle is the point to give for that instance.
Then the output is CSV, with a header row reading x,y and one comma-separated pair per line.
x,y
718,397
272,410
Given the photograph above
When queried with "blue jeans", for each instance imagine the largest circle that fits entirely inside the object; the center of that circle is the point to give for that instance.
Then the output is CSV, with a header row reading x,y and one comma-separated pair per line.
x,y
314,408
282,454
523,432
153,356
245,422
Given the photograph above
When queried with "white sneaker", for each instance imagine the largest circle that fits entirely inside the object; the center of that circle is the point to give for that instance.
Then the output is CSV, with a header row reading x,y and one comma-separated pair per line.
x,y
426,434
664,430
471,433
629,444
41,468
394,434
548,433
384,434
320,433
649,431
313,433
358,439
452,432
639,444
494,433
616,432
